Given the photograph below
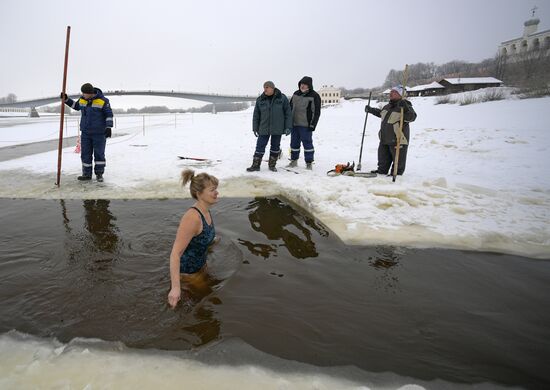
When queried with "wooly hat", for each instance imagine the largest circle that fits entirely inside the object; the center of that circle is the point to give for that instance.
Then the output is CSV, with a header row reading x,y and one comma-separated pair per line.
x,y
269,84
399,89
87,88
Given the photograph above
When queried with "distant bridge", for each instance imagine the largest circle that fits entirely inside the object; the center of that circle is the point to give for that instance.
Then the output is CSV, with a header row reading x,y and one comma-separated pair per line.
x,y
204,97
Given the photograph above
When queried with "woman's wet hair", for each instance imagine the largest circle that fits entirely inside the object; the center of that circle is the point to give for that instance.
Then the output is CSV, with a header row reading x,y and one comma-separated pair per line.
x,y
198,182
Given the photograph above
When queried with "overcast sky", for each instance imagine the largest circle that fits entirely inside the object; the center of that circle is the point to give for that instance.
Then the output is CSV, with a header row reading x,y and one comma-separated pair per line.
x,y
232,46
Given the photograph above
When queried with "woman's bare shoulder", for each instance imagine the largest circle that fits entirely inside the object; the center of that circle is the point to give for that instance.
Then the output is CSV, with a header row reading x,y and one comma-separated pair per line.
x,y
191,219
191,215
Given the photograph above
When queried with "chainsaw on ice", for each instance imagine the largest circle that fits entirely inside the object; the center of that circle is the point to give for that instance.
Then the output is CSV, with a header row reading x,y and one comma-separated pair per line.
x,y
348,170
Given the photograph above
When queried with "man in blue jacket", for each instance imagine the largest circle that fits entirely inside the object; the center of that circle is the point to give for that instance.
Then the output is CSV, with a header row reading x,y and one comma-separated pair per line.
x,y
95,127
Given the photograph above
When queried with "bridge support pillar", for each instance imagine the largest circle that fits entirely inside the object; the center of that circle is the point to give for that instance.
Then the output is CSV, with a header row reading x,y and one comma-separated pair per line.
x,y
33,113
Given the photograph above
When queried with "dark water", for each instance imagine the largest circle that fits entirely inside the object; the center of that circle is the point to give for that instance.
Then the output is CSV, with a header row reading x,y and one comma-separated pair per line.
x,y
279,280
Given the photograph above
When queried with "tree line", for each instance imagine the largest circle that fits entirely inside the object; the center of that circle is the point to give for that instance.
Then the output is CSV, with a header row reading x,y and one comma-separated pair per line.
x,y
10,98
527,71
524,70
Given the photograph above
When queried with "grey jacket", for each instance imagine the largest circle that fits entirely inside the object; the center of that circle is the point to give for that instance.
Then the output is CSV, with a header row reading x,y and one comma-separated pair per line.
x,y
306,107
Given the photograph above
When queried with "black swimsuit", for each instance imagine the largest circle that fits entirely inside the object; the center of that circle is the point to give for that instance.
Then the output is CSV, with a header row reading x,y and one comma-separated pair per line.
x,y
194,256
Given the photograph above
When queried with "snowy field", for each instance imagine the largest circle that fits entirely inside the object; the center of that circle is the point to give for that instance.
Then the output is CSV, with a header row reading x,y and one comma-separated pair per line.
x,y
476,174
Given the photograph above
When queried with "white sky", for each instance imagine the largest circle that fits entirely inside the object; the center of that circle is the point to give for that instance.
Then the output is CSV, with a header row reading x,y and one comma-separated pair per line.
x,y
233,46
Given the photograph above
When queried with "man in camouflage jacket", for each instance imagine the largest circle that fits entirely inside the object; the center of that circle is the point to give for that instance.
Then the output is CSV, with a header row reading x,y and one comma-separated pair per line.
x,y
389,128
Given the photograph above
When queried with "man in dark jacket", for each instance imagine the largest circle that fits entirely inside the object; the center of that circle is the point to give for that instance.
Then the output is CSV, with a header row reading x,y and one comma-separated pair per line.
x,y
95,127
272,118
306,110
389,128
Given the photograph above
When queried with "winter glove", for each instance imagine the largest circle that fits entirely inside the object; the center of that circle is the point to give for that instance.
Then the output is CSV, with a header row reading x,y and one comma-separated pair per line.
x,y
368,108
287,131
404,105
108,132
311,128
63,96
255,133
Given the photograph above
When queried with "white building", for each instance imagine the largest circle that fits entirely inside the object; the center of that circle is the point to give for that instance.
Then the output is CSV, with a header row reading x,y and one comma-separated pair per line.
x,y
329,95
531,40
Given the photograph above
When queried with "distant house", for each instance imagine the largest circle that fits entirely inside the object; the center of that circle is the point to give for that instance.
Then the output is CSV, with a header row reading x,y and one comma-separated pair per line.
x,y
426,89
462,84
451,85
422,90
329,95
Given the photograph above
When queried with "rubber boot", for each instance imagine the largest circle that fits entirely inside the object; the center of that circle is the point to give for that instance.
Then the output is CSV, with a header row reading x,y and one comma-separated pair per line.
x,y
272,162
292,164
256,161
309,166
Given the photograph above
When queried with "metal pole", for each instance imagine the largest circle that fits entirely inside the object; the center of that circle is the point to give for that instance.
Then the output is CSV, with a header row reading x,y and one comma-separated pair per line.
x,y
363,137
63,106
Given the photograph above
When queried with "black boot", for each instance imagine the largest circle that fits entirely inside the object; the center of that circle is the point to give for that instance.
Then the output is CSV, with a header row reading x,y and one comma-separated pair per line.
x,y
272,162
99,177
84,177
256,161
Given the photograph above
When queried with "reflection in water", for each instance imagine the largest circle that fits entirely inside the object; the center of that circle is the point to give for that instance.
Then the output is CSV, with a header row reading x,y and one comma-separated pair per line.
x,y
100,224
196,289
279,221
194,321
263,250
96,246
387,262
65,217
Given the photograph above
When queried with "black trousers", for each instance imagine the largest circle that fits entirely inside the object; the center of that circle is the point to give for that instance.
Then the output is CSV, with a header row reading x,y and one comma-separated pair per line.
x,y
386,155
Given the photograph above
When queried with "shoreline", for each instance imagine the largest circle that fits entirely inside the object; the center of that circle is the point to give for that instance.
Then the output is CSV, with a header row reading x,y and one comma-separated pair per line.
x,y
356,231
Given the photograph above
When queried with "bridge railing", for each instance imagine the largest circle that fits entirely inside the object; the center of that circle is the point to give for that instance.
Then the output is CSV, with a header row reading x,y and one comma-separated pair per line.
x,y
173,91
15,109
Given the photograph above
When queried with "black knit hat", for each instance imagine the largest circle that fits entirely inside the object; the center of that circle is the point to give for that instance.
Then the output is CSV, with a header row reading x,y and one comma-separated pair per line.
x,y
87,88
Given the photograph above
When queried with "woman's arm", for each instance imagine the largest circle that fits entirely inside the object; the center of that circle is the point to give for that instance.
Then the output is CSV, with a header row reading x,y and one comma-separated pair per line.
x,y
190,226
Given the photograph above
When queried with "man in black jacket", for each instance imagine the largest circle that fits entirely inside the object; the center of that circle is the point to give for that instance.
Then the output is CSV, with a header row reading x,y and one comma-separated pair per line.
x,y
306,110
389,128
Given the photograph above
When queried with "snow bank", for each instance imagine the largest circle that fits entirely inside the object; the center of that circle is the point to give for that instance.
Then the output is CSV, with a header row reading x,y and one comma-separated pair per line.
x,y
31,362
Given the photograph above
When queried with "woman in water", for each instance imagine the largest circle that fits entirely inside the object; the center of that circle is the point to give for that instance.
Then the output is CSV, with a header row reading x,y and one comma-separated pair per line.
x,y
195,234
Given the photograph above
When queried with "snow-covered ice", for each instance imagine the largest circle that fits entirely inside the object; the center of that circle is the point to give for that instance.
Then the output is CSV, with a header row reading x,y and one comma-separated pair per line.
x,y
31,362
476,175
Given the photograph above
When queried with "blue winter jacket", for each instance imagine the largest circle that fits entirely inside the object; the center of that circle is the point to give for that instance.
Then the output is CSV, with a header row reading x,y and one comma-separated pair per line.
x,y
96,113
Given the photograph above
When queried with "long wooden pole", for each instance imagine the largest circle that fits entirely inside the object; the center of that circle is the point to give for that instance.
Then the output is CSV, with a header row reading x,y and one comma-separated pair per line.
x,y
63,88
400,134
363,138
